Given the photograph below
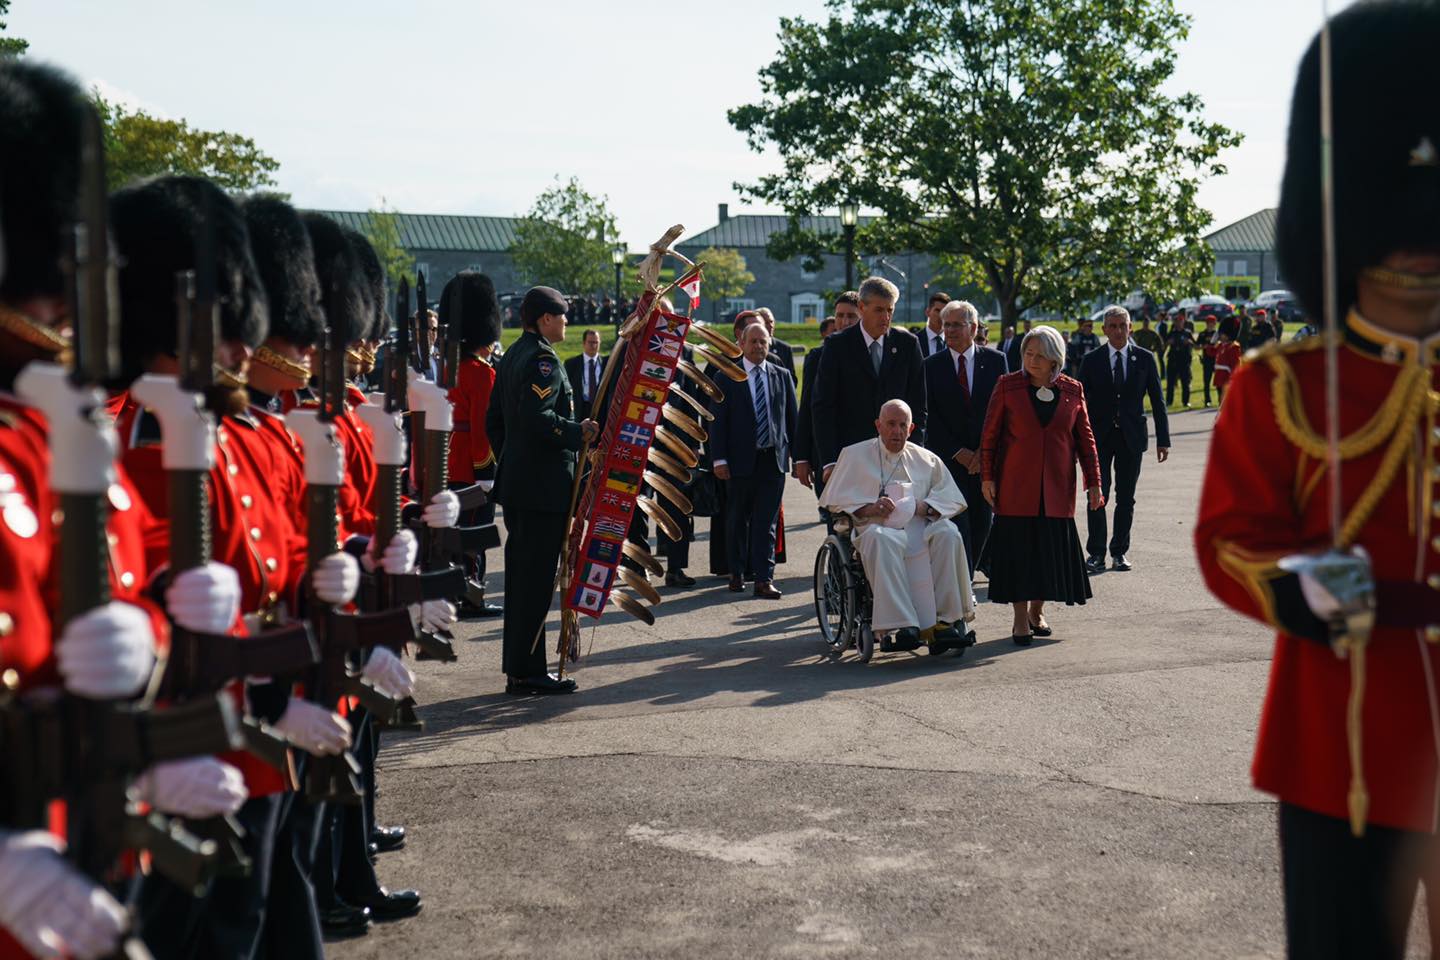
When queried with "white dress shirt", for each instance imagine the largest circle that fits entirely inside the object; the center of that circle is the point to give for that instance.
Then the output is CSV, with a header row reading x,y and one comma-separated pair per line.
x,y
585,363
750,368
1124,359
968,358
937,339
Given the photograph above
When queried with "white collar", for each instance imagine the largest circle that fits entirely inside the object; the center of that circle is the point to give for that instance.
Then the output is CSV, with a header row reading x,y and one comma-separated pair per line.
x,y
866,334
754,366
1111,347
968,353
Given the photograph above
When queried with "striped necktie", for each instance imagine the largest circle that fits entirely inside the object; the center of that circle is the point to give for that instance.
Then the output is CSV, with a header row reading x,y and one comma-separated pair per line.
x,y
762,410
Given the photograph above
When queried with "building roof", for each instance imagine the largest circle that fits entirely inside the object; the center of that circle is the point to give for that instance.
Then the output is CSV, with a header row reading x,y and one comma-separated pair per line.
x,y
1255,232
754,229
434,231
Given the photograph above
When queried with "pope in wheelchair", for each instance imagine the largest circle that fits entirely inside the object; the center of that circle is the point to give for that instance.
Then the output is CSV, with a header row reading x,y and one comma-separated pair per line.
x,y
896,498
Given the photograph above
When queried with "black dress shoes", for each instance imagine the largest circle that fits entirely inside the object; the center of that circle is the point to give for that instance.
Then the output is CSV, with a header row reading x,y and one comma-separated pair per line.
x,y
488,609
1039,629
737,583
1023,640
1121,563
906,638
1094,564
767,590
342,921
387,905
679,578
545,683
388,838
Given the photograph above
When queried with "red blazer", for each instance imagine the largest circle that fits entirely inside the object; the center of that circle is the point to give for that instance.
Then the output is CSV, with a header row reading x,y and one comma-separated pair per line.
x,y
1019,454
470,452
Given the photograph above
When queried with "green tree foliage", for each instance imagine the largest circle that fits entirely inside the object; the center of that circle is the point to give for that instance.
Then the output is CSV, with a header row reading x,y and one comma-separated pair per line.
x,y
382,229
725,273
1029,138
565,240
10,46
140,145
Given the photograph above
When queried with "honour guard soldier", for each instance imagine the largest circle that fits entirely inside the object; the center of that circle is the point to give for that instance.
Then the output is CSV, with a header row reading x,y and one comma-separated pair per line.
x,y
1350,732
533,428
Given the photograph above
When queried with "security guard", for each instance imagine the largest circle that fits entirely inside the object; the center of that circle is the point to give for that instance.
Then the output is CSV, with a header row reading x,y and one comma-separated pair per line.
x,y
533,429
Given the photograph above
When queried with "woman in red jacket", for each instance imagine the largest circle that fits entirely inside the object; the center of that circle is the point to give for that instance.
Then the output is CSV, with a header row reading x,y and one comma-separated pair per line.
x,y
1036,429
471,458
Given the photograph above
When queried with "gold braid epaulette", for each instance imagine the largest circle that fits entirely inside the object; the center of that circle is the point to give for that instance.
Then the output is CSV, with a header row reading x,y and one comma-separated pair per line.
x,y
1394,422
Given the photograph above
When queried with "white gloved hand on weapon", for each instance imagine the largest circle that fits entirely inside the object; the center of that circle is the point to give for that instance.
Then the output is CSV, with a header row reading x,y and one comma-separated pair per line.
x,y
205,599
443,510
397,559
390,676
336,578
194,787
51,908
313,728
108,652
1339,588
433,616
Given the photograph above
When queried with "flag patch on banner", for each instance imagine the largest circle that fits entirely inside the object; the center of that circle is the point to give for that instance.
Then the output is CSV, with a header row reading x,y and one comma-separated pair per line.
x,y
653,370
643,391
633,457
612,527
692,287
623,481
603,551
665,346
617,501
643,412
635,434
588,598
598,575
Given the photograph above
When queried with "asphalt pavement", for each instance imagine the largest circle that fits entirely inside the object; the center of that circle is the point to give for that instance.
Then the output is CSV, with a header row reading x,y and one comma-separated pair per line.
x,y
720,787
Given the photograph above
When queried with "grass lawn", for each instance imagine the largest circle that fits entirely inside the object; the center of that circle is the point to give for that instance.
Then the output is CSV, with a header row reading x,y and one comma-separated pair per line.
x,y
807,335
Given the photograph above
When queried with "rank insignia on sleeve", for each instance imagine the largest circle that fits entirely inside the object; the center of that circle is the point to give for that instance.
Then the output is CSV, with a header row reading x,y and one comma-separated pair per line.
x,y
541,392
546,368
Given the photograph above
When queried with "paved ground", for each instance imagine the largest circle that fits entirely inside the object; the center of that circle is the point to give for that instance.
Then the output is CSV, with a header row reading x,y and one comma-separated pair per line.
x,y
720,789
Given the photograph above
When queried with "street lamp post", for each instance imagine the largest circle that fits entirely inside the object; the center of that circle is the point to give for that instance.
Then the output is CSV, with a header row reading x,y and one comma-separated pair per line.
x,y
849,216
617,257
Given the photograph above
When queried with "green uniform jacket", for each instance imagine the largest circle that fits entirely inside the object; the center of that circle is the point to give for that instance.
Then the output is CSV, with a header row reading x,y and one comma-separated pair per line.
x,y
531,427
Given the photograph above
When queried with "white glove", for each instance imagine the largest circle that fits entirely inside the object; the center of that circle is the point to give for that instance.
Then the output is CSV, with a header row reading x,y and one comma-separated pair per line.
x,y
48,906
195,787
337,578
389,675
399,557
443,510
205,599
432,616
107,653
313,728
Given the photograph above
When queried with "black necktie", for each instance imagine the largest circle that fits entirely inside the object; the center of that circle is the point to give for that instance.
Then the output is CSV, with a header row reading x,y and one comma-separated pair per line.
x,y
590,378
1119,373
939,343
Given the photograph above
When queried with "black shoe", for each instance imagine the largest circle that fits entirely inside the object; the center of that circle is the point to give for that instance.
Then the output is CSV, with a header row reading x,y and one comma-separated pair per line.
x,y
545,683
387,905
887,643
907,638
343,921
488,609
1023,640
969,640
766,590
1121,563
388,838
1094,564
679,578
1038,631
737,583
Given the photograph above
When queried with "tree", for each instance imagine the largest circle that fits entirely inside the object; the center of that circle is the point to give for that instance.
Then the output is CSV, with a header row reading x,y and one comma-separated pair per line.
x,y
382,229
725,274
565,241
10,46
140,145
1030,139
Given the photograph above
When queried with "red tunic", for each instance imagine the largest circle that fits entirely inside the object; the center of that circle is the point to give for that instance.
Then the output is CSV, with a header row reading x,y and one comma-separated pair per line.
x,y
357,491
1017,453
470,451
1227,359
1265,495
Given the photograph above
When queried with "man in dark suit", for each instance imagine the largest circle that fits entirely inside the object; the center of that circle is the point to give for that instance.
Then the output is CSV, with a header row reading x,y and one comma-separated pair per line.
x,y
1117,379
846,315
584,371
1010,346
932,336
958,383
860,369
750,442
782,350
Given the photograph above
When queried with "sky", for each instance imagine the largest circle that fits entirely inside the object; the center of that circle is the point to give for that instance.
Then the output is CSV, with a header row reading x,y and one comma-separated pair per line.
x,y
476,106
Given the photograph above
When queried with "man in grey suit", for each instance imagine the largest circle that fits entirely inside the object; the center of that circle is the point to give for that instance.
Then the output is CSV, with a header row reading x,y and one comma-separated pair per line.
x,y
750,444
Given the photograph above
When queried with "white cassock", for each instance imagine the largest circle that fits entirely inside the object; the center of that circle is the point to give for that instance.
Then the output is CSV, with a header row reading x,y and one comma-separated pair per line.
x,y
917,567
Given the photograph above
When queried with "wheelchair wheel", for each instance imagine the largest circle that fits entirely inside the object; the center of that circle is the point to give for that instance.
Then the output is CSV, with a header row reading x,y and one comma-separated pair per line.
x,y
865,642
834,596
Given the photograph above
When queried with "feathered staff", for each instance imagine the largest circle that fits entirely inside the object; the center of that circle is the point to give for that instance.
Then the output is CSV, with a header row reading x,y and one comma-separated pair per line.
x,y
639,375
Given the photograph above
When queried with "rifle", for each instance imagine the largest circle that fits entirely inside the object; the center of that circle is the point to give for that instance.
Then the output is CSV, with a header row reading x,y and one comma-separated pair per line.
x,y
338,634
101,745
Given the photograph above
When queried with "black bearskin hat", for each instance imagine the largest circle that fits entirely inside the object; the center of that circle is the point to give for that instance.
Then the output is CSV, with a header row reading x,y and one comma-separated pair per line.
x,y
40,117
374,283
1387,133
281,247
1230,327
479,309
155,224
343,289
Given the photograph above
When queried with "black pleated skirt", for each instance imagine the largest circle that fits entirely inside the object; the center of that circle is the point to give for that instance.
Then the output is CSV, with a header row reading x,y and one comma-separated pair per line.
x,y
1035,558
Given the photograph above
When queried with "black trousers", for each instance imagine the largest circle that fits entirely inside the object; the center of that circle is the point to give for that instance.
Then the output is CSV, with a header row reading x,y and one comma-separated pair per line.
x,y
475,562
975,520
532,554
292,923
676,552
1348,897
1207,372
752,507
343,871
1115,457
1177,369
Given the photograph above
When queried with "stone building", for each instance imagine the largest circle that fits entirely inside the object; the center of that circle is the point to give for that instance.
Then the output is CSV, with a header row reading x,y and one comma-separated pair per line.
x,y
1245,263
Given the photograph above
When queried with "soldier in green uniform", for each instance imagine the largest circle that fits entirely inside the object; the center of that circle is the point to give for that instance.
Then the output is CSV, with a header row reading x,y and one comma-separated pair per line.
x,y
532,428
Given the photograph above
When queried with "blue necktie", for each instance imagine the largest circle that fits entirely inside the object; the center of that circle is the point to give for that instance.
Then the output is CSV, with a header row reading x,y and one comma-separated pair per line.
x,y
762,410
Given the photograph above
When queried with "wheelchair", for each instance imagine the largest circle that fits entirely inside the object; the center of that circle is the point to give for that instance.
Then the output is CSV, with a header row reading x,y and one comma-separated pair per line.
x,y
843,596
